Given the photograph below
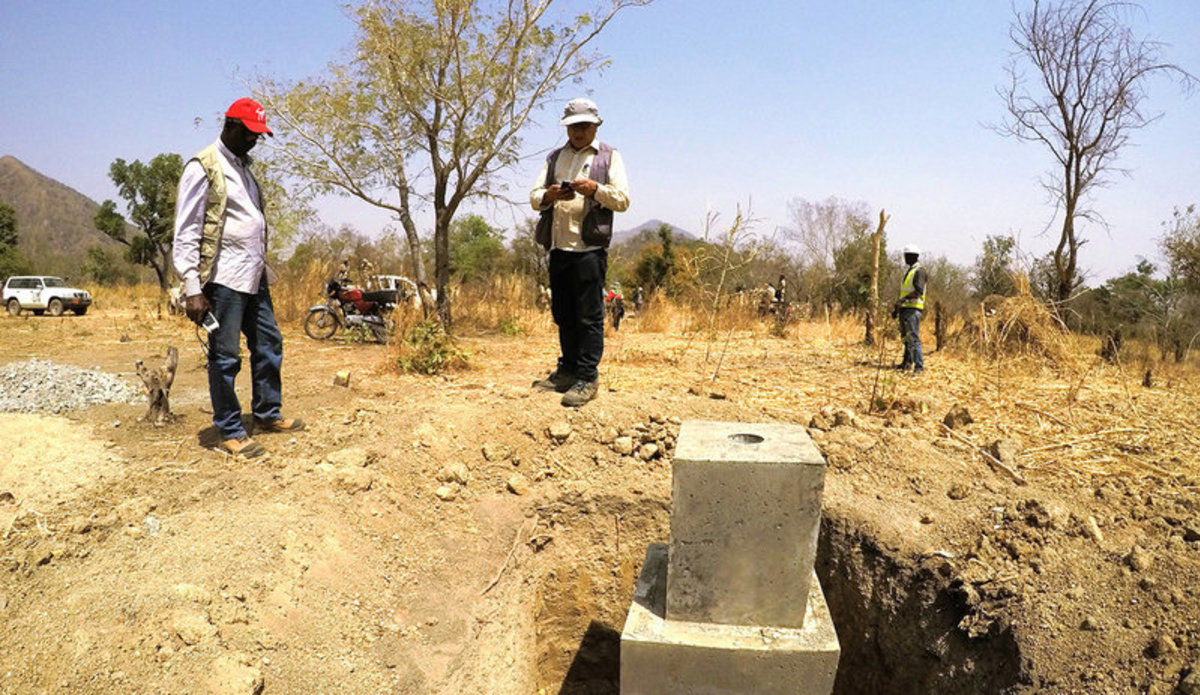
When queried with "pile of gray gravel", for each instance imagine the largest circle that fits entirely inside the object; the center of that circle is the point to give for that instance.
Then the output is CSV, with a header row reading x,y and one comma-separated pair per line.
x,y
39,386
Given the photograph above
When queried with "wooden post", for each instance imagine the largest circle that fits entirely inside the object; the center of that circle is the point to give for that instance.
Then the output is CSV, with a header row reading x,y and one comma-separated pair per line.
x,y
158,388
873,298
939,326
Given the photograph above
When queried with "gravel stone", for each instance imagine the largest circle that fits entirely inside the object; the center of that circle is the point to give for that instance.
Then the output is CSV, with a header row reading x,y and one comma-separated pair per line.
x,y
40,386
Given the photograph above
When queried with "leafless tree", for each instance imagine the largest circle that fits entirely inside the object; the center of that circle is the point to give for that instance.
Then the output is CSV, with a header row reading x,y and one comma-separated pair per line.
x,y
1084,101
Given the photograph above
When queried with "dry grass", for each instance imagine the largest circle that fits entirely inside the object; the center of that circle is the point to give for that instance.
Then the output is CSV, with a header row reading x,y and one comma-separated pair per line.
x,y
1073,417
297,290
145,301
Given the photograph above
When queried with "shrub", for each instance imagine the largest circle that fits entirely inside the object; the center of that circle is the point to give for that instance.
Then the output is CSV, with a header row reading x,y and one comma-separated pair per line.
x,y
426,349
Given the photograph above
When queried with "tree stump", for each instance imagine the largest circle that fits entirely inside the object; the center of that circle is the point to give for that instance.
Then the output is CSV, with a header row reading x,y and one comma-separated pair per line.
x,y
158,388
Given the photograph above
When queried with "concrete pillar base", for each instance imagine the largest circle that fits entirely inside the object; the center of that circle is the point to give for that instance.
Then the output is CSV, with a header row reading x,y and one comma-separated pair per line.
x,y
660,656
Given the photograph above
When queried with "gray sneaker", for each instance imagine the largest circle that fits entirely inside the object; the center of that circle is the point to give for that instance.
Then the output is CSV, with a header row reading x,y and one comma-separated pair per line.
x,y
555,382
580,392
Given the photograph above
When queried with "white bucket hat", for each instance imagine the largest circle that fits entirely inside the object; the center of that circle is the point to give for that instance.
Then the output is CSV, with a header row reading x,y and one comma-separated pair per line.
x,y
581,111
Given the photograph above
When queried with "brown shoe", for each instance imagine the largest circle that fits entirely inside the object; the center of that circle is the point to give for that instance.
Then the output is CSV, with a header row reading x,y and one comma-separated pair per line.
x,y
243,447
281,425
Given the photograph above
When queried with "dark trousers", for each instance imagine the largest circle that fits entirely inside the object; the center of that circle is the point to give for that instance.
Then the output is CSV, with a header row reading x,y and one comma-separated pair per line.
x,y
910,332
577,304
254,316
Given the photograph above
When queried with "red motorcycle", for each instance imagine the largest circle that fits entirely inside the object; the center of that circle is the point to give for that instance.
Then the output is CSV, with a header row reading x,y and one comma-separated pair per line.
x,y
350,307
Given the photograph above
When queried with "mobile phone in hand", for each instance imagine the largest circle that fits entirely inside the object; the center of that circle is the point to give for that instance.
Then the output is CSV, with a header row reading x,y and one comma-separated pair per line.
x,y
210,322
565,186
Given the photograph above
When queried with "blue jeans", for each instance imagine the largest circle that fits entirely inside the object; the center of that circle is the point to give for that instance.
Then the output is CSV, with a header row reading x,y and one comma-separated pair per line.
x,y
577,305
253,315
910,332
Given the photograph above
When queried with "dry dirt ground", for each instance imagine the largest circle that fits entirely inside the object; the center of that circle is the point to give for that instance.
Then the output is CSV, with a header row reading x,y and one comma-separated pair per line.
x,y
135,560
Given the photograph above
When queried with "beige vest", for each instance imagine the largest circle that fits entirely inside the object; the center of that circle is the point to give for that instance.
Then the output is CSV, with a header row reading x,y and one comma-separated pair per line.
x,y
214,209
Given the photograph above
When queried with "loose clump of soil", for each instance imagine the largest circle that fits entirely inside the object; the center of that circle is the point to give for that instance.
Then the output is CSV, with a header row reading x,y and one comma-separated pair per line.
x,y
462,533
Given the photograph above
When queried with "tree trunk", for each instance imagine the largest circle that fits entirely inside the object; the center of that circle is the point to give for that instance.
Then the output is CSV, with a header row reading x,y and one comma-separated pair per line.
x,y
873,298
441,245
158,388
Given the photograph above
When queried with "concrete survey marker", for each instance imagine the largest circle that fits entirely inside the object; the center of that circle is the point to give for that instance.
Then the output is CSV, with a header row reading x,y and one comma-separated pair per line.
x,y
732,605
745,512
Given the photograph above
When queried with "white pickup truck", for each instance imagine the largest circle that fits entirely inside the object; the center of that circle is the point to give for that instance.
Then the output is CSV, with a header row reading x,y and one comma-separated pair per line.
x,y
44,294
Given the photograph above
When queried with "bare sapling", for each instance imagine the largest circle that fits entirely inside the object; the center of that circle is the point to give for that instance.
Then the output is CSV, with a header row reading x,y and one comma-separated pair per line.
x,y
717,262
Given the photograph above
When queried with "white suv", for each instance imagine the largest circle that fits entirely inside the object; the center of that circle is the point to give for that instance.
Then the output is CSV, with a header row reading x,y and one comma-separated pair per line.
x,y
44,294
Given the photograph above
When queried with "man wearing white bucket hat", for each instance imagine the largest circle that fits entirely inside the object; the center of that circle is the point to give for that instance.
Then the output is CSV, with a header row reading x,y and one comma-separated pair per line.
x,y
580,187
909,309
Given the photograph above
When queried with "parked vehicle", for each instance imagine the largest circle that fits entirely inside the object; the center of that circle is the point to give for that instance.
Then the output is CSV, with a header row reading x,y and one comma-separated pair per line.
x,y
44,294
349,307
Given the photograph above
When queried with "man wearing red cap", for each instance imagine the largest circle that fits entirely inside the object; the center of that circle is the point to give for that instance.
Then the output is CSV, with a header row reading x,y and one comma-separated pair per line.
x,y
220,251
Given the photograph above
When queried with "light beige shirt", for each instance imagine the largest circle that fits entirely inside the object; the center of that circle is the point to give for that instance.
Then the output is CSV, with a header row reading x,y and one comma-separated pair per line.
x,y
242,256
568,214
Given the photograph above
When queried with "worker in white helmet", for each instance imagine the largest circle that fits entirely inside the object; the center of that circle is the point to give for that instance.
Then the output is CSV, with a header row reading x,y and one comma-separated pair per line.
x,y
909,309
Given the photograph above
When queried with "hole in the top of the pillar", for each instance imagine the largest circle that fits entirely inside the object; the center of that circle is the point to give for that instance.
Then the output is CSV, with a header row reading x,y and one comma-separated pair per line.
x,y
745,438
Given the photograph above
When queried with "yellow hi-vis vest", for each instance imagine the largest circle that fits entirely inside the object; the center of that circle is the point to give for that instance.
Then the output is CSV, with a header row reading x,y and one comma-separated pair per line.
x,y
214,209
906,287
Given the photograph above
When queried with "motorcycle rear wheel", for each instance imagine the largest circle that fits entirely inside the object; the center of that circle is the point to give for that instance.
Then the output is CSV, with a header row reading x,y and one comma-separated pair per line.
x,y
320,324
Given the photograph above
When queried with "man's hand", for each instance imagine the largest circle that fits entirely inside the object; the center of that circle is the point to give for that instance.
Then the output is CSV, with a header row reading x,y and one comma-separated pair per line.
x,y
556,193
585,187
195,306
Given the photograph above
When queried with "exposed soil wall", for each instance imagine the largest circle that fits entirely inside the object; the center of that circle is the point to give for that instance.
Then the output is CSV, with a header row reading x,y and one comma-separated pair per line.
x,y
901,625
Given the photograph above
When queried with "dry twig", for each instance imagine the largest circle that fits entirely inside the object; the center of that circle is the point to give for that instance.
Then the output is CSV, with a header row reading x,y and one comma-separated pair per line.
x,y
996,463
516,542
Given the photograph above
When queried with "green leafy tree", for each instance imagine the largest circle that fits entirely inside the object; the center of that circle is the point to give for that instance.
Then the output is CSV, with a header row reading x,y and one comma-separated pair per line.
x,y
1181,246
993,272
149,191
103,268
1091,75
851,280
8,226
656,264
476,249
11,260
431,107
1138,304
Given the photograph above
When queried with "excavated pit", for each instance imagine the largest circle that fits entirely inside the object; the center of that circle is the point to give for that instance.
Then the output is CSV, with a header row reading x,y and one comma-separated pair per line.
x,y
900,624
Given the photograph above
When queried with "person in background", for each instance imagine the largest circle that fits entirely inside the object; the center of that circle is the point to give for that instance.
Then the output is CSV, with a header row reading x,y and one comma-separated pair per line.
x,y
220,251
616,305
580,187
909,309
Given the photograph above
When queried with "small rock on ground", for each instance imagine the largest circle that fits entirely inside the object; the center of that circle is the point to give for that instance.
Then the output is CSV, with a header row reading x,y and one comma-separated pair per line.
x,y
957,417
229,675
517,484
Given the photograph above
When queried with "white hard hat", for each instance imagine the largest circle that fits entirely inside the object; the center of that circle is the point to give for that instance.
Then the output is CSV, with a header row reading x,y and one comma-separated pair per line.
x,y
913,249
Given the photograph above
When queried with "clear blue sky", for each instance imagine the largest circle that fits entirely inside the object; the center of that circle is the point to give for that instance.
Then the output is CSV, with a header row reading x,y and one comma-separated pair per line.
x,y
714,104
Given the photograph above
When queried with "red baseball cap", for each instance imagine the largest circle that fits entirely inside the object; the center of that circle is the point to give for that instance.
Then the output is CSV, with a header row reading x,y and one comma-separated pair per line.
x,y
251,114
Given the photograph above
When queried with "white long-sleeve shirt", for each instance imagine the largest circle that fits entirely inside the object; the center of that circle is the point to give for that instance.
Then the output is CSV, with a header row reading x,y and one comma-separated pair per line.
x,y
568,214
241,258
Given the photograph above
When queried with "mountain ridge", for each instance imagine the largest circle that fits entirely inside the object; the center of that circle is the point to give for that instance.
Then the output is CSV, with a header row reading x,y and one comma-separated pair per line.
x,y
55,224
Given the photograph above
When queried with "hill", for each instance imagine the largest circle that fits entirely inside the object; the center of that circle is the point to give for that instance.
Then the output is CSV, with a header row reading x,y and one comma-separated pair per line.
x,y
54,221
647,231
